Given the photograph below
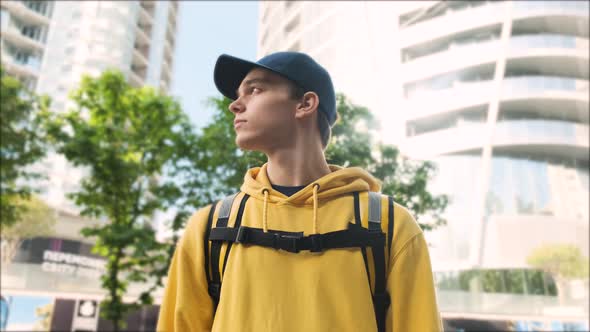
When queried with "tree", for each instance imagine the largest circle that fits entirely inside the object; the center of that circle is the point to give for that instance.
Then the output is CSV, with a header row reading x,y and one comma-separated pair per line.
x,y
37,219
44,314
22,144
562,261
126,138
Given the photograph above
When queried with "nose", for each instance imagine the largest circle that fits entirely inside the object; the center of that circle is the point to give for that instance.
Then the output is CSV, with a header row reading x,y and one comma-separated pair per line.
x,y
237,106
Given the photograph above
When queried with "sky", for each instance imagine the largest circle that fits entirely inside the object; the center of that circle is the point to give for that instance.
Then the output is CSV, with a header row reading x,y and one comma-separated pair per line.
x,y
207,29
22,311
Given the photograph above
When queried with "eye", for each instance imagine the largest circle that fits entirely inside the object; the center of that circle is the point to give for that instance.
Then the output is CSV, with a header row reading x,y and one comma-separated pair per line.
x,y
255,90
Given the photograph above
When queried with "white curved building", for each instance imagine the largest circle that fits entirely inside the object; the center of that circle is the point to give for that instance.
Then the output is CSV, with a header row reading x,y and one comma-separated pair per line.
x,y
495,92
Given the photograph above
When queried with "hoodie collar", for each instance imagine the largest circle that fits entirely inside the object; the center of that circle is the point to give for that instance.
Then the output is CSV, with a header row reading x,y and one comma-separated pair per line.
x,y
338,182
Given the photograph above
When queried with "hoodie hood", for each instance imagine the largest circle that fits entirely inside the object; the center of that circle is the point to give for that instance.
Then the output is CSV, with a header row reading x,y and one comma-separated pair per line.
x,y
340,181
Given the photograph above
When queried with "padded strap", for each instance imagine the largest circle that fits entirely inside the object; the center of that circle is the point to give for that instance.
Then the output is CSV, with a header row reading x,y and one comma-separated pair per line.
x,y
374,210
380,296
222,219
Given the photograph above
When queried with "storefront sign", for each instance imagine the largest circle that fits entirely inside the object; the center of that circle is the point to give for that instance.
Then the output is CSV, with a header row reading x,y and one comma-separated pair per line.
x,y
72,264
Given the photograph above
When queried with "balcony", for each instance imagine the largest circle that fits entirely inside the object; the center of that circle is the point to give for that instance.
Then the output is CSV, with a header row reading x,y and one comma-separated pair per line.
x,y
405,7
560,17
21,68
139,59
452,22
535,94
15,37
145,18
571,16
24,13
141,35
554,138
550,54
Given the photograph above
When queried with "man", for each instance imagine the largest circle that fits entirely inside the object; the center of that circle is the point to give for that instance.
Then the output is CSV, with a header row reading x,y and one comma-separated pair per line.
x,y
286,274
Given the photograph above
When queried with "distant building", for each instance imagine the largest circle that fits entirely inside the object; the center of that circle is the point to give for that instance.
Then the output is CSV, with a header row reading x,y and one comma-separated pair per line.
x,y
49,45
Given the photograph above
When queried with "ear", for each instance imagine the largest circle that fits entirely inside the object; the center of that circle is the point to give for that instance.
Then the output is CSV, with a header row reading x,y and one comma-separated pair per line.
x,y
308,105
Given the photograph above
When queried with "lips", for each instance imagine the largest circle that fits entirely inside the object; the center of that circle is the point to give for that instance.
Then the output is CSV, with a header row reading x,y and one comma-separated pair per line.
x,y
238,122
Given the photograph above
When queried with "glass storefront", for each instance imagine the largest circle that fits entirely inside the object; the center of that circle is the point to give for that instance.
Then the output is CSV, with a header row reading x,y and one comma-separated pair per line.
x,y
511,281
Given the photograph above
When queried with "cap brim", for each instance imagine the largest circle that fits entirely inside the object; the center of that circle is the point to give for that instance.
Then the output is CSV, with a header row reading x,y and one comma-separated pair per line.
x,y
229,73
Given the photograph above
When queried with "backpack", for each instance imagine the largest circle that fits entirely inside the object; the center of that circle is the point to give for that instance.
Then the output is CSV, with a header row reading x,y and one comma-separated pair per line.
x,y
355,236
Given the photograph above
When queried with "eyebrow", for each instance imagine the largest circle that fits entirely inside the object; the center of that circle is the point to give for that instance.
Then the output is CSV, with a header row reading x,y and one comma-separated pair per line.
x,y
252,81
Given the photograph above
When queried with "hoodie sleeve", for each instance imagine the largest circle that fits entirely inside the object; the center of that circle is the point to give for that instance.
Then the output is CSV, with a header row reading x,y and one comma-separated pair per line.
x,y
410,282
186,304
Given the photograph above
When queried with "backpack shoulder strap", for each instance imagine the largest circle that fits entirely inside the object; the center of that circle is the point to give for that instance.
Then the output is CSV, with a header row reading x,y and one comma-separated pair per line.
x,y
213,268
381,299
215,275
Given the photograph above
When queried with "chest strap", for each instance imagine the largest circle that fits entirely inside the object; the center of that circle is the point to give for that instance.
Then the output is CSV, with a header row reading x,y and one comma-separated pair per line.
x,y
354,237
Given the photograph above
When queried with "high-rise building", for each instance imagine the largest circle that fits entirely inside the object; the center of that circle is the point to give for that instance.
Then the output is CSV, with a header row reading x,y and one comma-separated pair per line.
x,y
497,94
23,36
494,92
49,45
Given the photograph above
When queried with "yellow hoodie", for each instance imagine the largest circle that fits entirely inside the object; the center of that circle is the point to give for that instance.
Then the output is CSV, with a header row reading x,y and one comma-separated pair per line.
x,y
264,289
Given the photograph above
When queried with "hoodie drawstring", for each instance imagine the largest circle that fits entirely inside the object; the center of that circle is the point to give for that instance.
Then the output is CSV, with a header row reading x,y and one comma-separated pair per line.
x,y
316,187
264,209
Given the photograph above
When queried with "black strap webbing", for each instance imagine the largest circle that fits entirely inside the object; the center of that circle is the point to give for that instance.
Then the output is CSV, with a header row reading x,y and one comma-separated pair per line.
x,y
390,224
237,224
357,220
222,219
207,266
353,237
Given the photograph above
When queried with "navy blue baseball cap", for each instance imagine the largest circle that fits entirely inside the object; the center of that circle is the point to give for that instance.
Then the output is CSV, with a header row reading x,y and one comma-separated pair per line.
x,y
298,67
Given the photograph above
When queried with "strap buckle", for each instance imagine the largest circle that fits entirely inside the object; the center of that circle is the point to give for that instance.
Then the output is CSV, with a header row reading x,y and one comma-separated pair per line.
x,y
242,235
316,243
286,242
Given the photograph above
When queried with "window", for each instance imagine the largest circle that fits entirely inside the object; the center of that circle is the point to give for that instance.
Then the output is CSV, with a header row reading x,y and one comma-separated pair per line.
x,y
32,32
38,6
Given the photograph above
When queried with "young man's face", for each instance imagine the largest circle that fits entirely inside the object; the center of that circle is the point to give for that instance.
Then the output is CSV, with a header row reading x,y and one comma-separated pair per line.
x,y
264,112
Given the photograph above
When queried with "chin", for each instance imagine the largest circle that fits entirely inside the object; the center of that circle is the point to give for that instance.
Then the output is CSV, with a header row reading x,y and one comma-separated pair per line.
x,y
245,144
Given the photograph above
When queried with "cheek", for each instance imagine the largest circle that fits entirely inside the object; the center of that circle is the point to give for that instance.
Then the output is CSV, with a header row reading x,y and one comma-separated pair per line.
x,y
271,113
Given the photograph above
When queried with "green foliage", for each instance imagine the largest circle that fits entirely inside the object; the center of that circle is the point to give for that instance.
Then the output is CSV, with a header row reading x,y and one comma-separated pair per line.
x,y
36,219
564,261
126,138
22,144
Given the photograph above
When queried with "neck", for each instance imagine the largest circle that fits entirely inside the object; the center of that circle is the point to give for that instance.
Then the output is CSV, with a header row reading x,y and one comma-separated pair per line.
x,y
296,165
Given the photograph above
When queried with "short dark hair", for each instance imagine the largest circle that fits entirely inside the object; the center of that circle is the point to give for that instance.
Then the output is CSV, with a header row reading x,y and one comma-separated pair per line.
x,y
296,93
